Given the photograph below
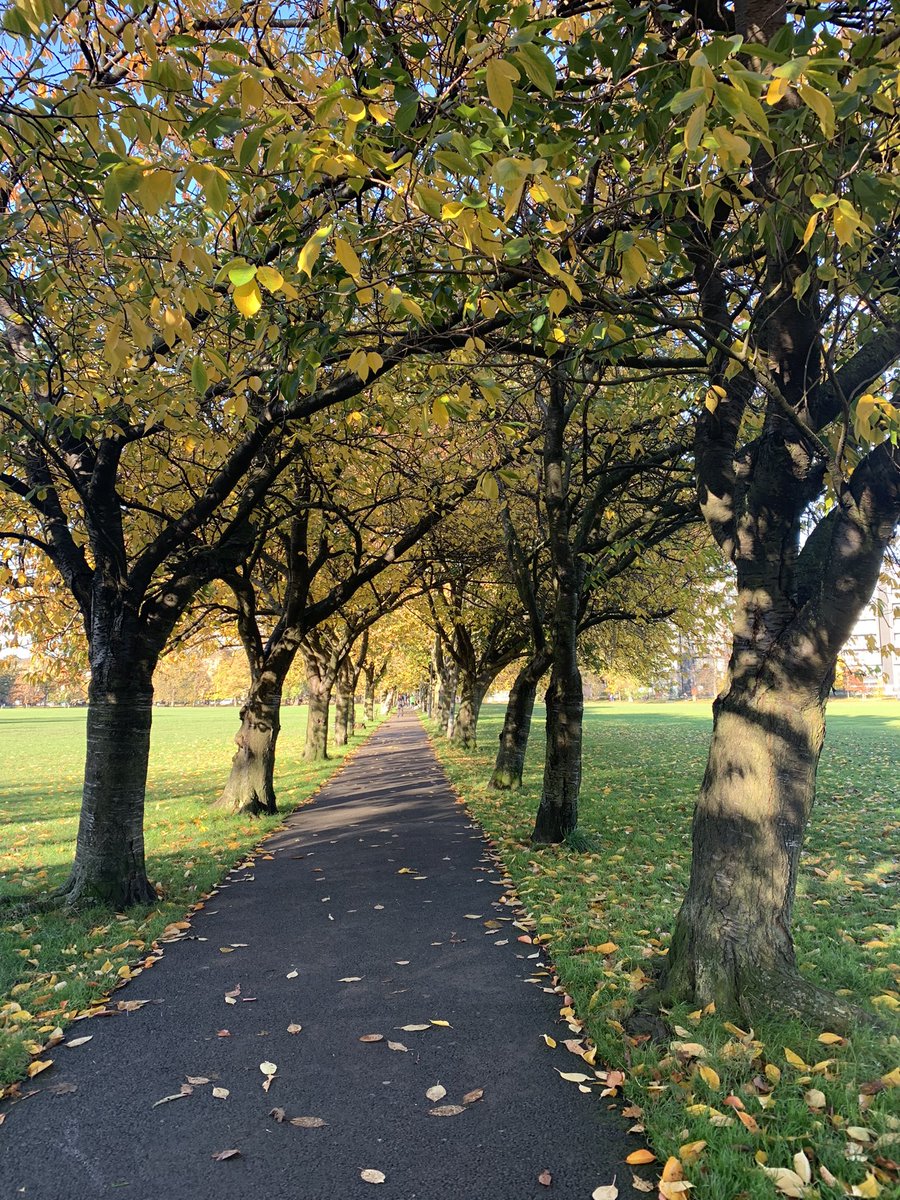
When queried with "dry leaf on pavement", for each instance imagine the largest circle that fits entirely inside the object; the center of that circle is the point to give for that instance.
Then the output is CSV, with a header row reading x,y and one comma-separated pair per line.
x,y
446,1110
308,1122
222,1155
545,1178
436,1093
371,1176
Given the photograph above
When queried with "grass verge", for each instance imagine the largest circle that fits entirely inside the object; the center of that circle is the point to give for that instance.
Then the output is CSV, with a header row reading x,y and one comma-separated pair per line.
x,y
55,966
726,1104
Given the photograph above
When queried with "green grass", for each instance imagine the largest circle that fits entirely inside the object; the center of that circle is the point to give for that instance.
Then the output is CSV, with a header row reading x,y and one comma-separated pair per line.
x,y
622,883
56,964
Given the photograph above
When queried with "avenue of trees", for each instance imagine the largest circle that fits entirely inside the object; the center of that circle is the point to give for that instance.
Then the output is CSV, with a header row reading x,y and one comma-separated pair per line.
x,y
476,329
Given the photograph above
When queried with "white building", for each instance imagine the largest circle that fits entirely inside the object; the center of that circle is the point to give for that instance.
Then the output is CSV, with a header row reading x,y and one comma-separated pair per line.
x,y
871,657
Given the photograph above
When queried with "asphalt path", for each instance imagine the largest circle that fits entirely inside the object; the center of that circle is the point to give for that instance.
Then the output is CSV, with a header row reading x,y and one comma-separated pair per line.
x,y
376,907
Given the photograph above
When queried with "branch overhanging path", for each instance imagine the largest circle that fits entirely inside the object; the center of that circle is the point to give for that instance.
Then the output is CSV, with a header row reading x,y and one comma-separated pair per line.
x,y
370,915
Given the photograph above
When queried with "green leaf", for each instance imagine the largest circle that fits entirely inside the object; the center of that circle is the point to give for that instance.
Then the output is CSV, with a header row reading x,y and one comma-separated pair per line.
x,y
538,67
500,76
241,274
313,248
199,376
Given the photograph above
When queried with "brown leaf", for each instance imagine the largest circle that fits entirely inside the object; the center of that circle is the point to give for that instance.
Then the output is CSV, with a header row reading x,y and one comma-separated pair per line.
x,y
223,1033
545,1178
372,1037
278,1114
221,1093
446,1110
371,1176
222,1155
436,1093
197,1080
308,1122
471,1097
62,1089
398,1046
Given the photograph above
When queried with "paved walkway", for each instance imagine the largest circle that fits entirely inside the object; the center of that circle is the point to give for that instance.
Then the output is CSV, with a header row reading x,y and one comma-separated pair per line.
x,y
371,916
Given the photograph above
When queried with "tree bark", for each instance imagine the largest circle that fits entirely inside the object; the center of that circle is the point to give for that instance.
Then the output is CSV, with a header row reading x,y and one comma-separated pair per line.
x,y
343,696
109,865
472,693
369,702
510,761
557,814
319,700
251,785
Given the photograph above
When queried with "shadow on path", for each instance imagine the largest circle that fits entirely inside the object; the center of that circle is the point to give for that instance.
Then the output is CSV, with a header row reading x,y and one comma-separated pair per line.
x,y
383,878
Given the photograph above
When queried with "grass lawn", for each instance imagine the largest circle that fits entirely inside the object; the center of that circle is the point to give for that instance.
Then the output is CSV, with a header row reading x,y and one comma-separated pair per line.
x,y
725,1101
55,965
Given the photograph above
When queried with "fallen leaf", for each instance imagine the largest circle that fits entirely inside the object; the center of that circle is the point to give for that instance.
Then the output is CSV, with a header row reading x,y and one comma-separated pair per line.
x,y
294,1028
607,948
748,1122
78,1041
609,1191
640,1156
370,1176
446,1110
803,1167
787,1182
573,1076
796,1061
672,1171
436,1093
223,1033
292,974
397,1046
226,950
414,1028
221,1093
691,1151
167,1099
815,1098
473,1096
830,1039
268,1068
545,1178
372,1037
314,1123
443,1024
868,1188
350,979
277,1114
641,1185
35,1068
551,1042
60,1089
709,1077
197,1080
222,1155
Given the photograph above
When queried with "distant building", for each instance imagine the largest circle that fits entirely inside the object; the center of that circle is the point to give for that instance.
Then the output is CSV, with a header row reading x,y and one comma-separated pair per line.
x,y
870,661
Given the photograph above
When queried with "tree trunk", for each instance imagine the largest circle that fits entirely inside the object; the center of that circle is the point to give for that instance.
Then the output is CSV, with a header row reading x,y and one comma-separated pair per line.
x,y
251,785
369,703
318,701
343,696
733,934
109,865
557,814
510,761
471,698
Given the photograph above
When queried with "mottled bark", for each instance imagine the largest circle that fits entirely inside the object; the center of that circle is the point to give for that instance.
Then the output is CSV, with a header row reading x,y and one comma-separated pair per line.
x,y
510,761
557,814
109,865
318,702
472,693
251,784
343,698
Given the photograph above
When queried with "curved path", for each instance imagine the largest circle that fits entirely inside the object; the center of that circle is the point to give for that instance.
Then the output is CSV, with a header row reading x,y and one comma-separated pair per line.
x,y
370,915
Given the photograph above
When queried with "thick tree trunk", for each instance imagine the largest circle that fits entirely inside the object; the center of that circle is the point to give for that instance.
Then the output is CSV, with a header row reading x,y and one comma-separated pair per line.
x,y
510,761
369,702
557,814
472,693
343,696
319,699
109,865
251,785
732,938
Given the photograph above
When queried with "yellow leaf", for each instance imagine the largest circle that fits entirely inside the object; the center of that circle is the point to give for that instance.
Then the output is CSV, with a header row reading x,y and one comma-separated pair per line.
x,y
710,1078
573,1076
312,250
35,1068
892,1078
810,228
270,278
672,1170
815,1098
439,413
829,1039
777,90
640,1156
821,106
444,1024
795,1060
773,1074
693,130
869,1187
354,109
500,76
802,1166
347,257
787,1182
248,299
556,301
551,1042
691,1151
378,114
